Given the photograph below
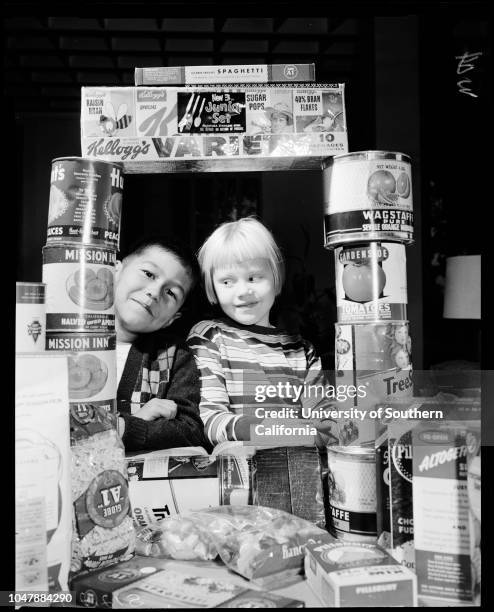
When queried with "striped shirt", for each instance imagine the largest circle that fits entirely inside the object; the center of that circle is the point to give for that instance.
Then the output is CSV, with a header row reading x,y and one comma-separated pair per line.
x,y
236,360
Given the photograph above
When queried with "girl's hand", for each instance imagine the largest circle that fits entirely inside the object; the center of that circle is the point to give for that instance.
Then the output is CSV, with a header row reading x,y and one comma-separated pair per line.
x,y
327,432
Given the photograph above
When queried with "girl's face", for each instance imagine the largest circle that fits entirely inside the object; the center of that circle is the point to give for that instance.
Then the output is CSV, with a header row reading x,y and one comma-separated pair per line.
x,y
245,291
278,122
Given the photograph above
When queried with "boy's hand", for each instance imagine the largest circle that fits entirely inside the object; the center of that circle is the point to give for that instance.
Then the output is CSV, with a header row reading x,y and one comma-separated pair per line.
x,y
157,408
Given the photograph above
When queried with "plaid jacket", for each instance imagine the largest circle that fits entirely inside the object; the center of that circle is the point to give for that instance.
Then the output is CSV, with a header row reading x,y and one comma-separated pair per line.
x,y
160,366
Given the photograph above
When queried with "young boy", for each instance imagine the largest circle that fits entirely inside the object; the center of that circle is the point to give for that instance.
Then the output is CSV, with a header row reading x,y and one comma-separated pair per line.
x,y
159,389
242,270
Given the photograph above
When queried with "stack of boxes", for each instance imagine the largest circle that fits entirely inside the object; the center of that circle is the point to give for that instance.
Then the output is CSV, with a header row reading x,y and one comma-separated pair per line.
x,y
78,270
368,222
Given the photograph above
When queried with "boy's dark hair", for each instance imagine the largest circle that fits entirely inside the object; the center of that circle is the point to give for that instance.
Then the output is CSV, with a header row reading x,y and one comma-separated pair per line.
x,y
182,252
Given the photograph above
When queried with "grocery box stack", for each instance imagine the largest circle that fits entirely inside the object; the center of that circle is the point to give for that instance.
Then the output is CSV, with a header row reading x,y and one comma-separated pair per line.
x,y
209,113
368,221
78,270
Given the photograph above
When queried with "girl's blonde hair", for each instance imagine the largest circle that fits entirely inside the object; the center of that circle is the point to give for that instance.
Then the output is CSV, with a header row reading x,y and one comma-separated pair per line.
x,y
235,242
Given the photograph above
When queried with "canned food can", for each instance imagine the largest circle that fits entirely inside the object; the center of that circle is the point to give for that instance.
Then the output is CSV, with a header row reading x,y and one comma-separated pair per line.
x,y
352,492
400,493
85,202
368,196
371,282
374,361
79,288
92,367
30,317
373,347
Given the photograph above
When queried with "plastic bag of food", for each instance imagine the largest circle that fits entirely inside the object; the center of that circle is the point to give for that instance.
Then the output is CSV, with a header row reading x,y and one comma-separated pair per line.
x,y
103,531
262,544
179,537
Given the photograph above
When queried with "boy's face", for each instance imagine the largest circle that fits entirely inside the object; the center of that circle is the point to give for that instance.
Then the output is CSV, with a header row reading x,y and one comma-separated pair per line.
x,y
150,288
245,291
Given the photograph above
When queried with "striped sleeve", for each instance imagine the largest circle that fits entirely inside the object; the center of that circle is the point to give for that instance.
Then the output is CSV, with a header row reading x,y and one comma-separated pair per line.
x,y
315,381
219,422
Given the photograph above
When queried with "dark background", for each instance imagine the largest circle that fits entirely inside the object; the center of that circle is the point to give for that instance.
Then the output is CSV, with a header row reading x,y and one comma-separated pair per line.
x,y
399,62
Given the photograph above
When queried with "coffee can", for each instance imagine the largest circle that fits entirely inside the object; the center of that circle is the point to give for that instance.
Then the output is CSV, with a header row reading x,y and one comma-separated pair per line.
x,y
85,202
30,317
92,366
79,288
352,492
368,196
371,282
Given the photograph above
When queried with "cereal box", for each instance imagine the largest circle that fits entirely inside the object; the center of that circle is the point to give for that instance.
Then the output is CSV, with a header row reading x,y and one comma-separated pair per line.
x,y
186,123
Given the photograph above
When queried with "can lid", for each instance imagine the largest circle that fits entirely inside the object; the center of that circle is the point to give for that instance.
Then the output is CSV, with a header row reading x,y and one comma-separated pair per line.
x,y
368,453
87,159
78,246
367,155
380,323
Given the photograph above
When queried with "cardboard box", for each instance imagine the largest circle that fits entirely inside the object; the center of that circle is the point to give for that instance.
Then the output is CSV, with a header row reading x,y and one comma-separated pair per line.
x,y
351,574
441,505
207,75
42,472
170,124
146,582
163,484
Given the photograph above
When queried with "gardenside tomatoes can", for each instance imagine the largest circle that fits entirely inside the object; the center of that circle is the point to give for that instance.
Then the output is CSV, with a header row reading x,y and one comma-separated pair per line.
x,y
352,492
92,367
368,196
371,282
85,202
79,288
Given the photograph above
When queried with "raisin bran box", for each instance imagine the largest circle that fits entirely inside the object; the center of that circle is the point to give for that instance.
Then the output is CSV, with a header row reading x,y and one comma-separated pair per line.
x,y
357,574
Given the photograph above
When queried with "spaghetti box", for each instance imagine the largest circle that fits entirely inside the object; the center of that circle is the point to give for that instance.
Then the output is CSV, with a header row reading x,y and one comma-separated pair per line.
x,y
146,582
440,509
355,574
206,75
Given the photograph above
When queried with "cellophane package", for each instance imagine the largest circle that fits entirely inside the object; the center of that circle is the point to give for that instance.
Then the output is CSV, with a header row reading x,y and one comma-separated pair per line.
x,y
103,530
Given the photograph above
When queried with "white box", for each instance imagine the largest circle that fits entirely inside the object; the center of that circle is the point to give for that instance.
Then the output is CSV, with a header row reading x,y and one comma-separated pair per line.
x,y
355,574
43,462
